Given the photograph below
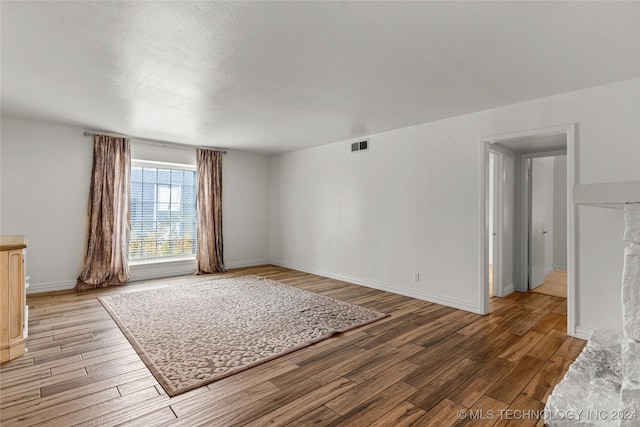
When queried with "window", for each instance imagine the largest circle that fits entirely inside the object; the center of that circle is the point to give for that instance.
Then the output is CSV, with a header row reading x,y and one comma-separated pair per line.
x,y
163,210
169,197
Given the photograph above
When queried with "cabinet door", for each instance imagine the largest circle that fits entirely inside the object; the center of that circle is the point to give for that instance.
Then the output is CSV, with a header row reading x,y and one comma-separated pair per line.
x,y
16,295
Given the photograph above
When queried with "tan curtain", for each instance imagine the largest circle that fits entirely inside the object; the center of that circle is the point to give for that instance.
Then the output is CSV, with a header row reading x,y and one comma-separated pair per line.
x,y
106,261
209,257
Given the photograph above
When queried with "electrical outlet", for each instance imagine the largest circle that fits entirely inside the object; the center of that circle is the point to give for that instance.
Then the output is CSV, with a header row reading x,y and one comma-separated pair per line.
x,y
416,277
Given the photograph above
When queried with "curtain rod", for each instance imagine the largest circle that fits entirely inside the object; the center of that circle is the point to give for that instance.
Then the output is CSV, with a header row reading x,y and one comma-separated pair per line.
x,y
158,143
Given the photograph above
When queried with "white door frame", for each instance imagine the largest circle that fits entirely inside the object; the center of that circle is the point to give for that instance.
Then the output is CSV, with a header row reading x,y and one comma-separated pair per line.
x,y
569,130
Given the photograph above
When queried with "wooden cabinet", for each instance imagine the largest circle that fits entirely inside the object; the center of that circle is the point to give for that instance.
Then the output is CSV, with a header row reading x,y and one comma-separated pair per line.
x,y
12,297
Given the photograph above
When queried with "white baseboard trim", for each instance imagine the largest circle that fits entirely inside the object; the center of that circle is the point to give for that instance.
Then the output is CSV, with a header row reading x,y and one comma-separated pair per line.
x,y
37,288
142,272
248,263
559,267
438,299
583,332
508,290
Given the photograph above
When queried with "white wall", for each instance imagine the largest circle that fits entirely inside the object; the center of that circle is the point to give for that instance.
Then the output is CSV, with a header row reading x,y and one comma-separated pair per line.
x,y
411,203
560,212
45,172
246,198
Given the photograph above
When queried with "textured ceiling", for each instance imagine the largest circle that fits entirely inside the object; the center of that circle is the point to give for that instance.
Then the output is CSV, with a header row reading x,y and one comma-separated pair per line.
x,y
279,76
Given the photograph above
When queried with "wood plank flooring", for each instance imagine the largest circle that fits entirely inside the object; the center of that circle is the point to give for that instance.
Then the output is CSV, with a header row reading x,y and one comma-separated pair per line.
x,y
555,284
417,367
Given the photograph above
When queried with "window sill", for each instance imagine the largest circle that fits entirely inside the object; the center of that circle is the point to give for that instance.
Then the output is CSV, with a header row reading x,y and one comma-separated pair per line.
x,y
163,260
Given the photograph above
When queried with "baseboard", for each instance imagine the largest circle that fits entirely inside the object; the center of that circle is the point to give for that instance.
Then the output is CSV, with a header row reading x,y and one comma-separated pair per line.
x,y
438,299
559,267
583,332
37,288
138,273
248,263
508,290
141,272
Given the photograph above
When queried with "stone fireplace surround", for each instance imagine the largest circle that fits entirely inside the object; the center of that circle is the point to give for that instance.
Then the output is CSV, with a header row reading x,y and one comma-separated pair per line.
x,y
602,386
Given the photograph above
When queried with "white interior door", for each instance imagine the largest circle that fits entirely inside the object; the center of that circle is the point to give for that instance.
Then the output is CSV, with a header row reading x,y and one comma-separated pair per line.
x,y
541,180
493,267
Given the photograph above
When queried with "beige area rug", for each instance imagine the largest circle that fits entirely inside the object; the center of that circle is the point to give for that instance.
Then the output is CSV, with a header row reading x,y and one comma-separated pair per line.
x,y
191,335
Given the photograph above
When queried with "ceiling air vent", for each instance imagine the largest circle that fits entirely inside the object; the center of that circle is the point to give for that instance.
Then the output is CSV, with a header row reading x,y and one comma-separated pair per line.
x,y
360,146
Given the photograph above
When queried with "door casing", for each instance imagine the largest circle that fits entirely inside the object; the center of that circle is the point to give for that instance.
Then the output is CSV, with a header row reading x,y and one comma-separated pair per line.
x,y
525,199
569,130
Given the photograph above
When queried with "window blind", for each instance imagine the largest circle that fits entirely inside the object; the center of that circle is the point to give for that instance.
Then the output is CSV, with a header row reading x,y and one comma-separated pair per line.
x,y
163,210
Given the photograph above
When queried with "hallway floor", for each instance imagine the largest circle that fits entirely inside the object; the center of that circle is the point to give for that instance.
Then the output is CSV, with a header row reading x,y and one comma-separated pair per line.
x,y
555,284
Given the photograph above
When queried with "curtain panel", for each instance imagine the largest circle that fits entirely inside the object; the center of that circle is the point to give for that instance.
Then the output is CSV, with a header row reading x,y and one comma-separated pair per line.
x,y
209,249
106,260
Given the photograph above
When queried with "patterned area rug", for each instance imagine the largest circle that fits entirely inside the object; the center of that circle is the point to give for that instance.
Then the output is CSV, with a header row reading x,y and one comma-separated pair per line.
x,y
191,335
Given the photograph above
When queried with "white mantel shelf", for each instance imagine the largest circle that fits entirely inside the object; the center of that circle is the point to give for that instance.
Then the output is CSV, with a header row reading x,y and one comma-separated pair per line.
x,y
611,195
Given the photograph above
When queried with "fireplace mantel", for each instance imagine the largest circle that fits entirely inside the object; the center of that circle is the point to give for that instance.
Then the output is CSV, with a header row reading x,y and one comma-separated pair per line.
x,y
607,195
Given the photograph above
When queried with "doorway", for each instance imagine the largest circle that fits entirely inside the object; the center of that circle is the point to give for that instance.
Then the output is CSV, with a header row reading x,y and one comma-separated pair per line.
x,y
505,210
547,225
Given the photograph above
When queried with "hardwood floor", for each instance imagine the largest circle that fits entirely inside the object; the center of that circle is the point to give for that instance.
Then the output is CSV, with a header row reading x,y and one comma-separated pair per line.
x,y
418,367
555,284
